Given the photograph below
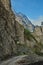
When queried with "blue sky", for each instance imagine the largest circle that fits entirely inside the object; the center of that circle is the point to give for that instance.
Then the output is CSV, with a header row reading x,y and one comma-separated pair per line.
x,y
31,8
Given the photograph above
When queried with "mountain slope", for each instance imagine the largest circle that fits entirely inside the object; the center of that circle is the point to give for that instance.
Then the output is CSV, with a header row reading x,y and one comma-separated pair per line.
x,y
21,18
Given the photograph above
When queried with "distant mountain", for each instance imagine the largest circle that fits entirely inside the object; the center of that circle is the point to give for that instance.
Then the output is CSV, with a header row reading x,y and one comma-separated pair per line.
x,y
23,19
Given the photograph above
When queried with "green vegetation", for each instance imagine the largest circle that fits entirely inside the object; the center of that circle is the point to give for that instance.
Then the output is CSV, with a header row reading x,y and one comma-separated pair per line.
x,y
28,35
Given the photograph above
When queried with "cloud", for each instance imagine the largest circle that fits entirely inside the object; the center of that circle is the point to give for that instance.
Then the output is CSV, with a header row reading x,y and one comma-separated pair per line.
x,y
37,21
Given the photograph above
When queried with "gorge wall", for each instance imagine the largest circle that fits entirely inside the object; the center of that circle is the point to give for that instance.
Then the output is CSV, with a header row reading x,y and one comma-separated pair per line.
x,y
11,32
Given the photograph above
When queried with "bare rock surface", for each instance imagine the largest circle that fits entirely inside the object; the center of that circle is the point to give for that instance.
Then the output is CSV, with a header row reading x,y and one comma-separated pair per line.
x,y
10,30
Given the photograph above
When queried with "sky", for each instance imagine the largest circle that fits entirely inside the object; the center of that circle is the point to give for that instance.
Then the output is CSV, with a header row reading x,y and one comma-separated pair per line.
x,y
33,9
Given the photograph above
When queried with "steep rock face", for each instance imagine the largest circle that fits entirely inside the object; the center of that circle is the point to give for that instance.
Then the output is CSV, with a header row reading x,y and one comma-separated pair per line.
x,y
8,30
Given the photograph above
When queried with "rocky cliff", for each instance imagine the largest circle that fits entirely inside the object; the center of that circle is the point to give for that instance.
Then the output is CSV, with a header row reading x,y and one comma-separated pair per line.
x,y
14,38
11,32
